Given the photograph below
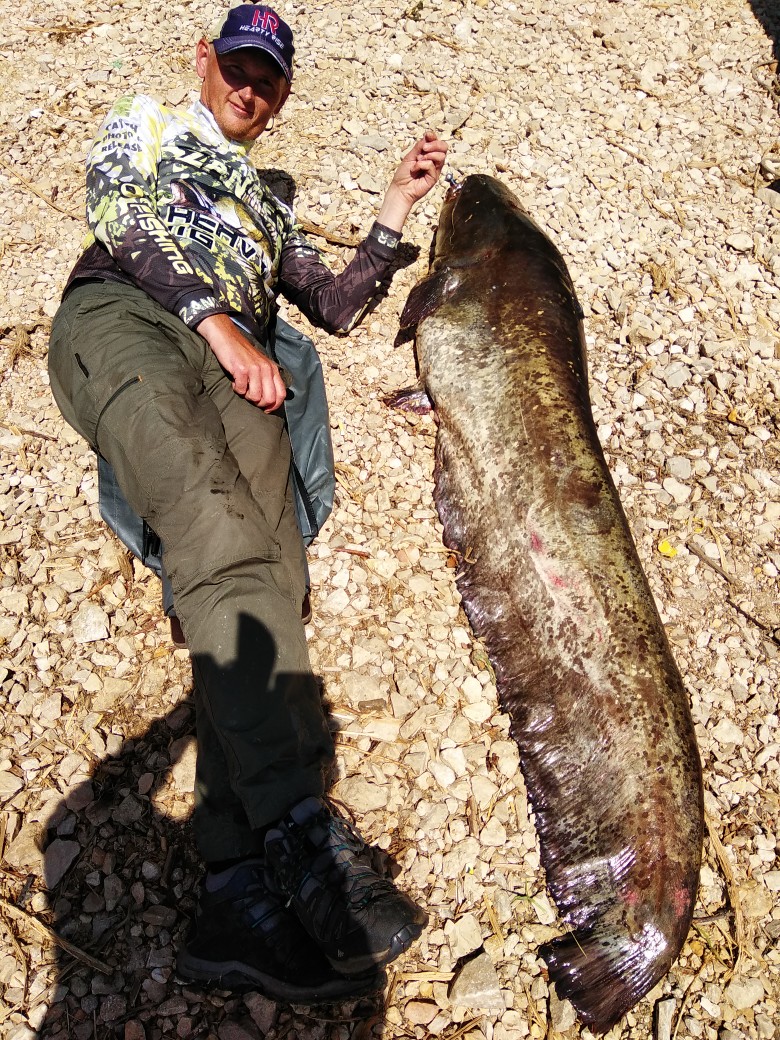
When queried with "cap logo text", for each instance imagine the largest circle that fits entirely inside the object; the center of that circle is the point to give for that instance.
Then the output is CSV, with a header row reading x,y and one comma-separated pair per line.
x,y
266,20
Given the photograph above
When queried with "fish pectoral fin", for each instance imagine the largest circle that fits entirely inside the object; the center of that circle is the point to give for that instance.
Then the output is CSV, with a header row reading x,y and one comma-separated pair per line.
x,y
410,399
425,297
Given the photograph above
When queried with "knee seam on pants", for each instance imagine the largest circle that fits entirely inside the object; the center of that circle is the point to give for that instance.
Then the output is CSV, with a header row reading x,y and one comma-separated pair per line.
x,y
270,554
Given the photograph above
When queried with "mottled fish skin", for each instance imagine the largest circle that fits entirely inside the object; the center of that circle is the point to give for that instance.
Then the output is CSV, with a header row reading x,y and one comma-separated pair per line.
x,y
551,581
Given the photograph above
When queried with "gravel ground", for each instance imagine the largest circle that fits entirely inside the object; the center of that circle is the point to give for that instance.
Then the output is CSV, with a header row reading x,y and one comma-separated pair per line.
x,y
643,136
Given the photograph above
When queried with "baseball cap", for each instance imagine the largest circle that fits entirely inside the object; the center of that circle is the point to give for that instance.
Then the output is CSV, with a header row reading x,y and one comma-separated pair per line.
x,y
255,25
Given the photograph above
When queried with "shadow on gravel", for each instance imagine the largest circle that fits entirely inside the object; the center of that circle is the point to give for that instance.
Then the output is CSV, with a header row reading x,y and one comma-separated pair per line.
x,y
125,904
281,183
768,14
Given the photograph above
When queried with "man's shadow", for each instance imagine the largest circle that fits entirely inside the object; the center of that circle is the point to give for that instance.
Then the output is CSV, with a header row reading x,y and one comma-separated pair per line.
x,y
768,14
126,903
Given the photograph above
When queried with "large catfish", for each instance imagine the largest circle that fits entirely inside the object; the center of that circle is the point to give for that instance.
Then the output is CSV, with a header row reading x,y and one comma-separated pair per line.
x,y
552,583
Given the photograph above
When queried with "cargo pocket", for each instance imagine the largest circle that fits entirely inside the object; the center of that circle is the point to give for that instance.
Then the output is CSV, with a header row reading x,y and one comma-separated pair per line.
x,y
132,381
81,362
69,377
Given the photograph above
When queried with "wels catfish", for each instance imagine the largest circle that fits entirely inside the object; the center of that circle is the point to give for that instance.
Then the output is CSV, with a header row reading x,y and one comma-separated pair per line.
x,y
551,581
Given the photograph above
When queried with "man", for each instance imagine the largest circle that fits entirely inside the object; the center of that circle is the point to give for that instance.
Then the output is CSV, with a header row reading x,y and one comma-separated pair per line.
x,y
157,359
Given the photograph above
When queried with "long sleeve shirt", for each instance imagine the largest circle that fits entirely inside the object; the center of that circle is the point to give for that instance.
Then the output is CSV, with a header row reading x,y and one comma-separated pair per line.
x,y
177,209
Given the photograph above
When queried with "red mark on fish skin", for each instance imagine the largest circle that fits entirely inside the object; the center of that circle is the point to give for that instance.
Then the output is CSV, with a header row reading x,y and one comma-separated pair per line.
x,y
537,546
682,900
631,897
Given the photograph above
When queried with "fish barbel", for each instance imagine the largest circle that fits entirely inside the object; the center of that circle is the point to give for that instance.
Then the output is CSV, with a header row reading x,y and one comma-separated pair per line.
x,y
551,581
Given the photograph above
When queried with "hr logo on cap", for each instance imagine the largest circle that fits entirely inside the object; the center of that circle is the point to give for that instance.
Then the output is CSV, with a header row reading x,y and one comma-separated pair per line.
x,y
266,20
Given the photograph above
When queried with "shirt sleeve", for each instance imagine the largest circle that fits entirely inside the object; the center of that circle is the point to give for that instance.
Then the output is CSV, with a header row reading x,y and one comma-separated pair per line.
x,y
336,302
122,212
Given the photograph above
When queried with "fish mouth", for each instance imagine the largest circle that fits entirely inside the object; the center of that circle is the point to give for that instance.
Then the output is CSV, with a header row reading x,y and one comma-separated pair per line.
x,y
454,188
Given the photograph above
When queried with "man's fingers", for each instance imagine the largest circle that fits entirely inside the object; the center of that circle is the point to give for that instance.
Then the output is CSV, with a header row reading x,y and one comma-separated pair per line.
x,y
256,391
427,164
276,392
427,156
431,143
263,388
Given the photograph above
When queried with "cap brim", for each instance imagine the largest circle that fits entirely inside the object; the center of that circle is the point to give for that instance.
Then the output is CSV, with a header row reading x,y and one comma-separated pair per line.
x,y
225,44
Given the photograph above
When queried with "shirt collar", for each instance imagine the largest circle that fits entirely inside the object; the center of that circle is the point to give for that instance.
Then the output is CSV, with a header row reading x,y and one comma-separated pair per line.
x,y
198,109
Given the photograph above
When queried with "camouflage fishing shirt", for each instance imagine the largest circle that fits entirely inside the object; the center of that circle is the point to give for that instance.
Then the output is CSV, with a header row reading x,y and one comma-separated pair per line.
x,y
177,209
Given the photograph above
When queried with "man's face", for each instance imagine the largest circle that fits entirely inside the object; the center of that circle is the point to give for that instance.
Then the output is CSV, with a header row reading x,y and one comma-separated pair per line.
x,y
241,89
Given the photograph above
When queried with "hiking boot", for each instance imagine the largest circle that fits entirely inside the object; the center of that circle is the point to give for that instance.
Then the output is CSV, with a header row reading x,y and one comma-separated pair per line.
x,y
321,866
245,939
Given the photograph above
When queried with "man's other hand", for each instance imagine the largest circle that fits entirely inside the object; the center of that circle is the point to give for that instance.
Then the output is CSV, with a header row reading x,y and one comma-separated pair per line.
x,y
255,377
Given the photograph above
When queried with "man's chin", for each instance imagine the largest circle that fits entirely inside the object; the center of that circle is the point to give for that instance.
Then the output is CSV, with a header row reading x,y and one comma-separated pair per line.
x,y
241,130
238,125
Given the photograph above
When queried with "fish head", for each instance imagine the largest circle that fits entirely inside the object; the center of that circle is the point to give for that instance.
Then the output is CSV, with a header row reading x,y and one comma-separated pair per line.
x,y
474,221
478,221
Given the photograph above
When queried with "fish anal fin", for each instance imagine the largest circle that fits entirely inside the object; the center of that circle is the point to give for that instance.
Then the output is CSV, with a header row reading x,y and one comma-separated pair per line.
x,y
410,399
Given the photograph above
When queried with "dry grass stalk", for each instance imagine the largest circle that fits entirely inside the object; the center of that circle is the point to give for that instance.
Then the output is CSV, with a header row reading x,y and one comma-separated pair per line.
x,y
330,236
20,345
462,1030
773,633
495,924
687,994
426,976
20,431
49,933
61,30
39,194
732,890
124,564
692,547
21,956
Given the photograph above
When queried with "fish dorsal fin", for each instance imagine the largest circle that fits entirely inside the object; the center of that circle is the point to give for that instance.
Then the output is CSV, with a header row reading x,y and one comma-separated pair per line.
x,y
426,296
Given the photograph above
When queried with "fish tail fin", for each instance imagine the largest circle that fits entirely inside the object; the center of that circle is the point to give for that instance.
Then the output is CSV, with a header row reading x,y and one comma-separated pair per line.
x,y
603,973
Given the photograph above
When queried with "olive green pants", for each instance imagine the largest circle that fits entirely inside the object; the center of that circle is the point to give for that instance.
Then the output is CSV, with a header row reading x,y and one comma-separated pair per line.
x,y
210,473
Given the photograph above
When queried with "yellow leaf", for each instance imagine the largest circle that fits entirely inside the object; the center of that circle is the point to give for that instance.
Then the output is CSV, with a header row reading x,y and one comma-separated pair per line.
x,y
667,549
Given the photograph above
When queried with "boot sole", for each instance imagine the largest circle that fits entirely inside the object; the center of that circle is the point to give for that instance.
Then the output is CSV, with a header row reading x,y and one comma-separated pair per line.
x,y
237,976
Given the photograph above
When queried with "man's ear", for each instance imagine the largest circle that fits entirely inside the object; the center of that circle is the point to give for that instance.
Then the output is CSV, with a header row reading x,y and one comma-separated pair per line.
x,y
201,57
